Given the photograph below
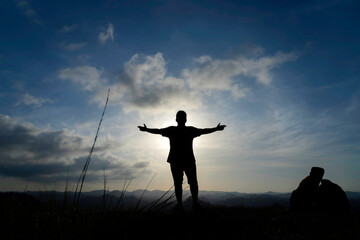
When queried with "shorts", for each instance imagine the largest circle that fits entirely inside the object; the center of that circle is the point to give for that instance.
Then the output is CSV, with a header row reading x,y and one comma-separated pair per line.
x,y
178,173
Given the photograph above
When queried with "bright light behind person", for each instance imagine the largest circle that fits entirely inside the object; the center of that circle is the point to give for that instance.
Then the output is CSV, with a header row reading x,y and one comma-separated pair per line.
x,y
181,156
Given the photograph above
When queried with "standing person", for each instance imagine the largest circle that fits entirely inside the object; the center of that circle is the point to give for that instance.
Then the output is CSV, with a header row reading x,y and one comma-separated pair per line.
x,y
181,156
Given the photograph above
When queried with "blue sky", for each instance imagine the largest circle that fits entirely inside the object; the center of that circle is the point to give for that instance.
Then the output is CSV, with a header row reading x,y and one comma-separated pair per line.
x,y
283,76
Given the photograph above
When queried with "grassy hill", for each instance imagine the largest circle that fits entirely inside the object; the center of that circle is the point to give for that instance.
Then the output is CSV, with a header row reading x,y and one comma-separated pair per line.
x,y
23,217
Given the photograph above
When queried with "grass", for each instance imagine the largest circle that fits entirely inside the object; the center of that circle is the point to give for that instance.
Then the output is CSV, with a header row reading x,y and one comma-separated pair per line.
x,y
40,222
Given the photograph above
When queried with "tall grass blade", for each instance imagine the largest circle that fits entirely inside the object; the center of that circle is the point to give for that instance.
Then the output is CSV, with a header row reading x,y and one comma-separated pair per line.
x,y
81,180
124,189
157,204
103,201
66,192
138,202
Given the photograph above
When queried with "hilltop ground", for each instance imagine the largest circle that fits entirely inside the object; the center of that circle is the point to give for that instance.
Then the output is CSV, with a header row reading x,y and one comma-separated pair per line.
x,y
245,223
36,221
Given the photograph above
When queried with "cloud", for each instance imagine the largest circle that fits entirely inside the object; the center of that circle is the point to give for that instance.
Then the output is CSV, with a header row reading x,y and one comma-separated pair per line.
x,y
107,35
28,99
68,28
202,59
24,143
27,10
140,164
144,83
141,84
28,152
221,74
73,46
88,77
354,102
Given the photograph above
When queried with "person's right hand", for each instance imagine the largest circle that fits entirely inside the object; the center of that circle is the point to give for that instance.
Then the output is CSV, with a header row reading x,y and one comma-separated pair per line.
x,y
220,127
142,128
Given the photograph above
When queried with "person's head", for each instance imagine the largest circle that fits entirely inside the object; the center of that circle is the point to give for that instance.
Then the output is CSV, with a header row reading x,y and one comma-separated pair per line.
x,y
317,173
181,117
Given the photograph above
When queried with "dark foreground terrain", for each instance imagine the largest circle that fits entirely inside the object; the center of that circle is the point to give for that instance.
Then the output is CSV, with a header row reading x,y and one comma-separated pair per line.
x,y
24,217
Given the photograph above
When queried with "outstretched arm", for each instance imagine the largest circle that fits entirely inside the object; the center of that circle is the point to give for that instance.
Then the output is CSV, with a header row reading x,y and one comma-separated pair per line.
x,y
211,130
149,130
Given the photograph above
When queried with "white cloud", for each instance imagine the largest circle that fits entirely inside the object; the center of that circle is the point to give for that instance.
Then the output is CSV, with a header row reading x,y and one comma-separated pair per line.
x,y
88,77
68,28
28,99
73,46
107,35
144,83
202,59
220,74
237,92
146,70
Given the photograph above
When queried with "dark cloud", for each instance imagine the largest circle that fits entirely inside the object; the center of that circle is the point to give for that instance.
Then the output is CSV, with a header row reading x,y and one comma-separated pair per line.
x,y
29,153
140,164
59,172
32,170
22,143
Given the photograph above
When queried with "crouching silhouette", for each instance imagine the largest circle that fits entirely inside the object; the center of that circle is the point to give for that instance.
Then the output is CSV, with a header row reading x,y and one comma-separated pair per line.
x,y
304,197
328,197
332,198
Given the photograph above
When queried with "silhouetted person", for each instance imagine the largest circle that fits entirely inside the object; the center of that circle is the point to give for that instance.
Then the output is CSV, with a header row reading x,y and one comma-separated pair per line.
x,y
304,197
181,156
331,198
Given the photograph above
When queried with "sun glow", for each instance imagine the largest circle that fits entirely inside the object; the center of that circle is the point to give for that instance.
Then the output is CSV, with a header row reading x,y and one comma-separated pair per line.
x,y
161,143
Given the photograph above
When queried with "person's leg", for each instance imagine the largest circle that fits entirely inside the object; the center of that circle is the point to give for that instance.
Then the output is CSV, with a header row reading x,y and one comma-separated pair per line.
x,y
190,172
194,189
178,194
177,174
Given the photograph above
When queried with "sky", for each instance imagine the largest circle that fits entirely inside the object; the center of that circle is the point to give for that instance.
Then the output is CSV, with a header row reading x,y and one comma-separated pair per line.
x,y
284,76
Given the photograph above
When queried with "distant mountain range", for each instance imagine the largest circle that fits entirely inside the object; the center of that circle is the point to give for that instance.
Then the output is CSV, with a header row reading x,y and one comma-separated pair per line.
x,y
143,199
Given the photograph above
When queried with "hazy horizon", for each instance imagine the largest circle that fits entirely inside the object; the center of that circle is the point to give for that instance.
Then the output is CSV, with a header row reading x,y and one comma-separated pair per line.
x,y
283,76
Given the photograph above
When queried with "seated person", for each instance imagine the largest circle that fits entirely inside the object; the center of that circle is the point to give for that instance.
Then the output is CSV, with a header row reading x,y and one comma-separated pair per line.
x,y
331,198
304,197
